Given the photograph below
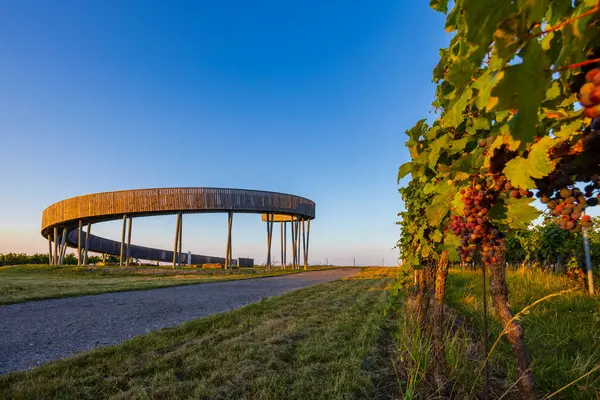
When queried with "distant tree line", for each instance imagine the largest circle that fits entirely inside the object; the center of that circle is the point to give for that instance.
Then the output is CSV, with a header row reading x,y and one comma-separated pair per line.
x,y
548,246
42,258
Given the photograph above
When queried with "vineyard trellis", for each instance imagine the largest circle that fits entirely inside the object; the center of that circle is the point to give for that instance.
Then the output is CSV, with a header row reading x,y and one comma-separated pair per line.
x,y
517,116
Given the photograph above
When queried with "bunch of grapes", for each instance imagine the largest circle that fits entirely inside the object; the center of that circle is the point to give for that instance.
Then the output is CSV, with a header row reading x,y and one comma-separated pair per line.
x,y
589,94
473,227
569,203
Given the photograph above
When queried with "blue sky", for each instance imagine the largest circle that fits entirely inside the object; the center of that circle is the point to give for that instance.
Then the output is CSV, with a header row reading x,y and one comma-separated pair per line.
x,y
308,98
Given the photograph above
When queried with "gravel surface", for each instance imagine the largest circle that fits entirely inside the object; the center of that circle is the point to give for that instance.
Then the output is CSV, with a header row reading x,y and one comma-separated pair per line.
x,y
40,331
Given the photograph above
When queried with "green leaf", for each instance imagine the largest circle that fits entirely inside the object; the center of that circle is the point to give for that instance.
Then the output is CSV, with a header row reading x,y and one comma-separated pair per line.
x,y
460,73
432,133
435,213
404,170
439,5
533,9
451,242
553,91
469,163
435,149
497,214
484,85
455,114
437,236
537,165
507,37
481,123
418,130
439,207
457,146
481,17
524,86
569,129
520,213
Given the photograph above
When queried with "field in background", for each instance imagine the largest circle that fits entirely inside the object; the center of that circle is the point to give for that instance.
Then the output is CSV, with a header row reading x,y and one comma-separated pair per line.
x,y
35,282
318,342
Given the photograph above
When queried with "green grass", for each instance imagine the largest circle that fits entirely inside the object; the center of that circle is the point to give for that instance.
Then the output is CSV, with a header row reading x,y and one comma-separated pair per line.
x,y
35,282
562,333
315,343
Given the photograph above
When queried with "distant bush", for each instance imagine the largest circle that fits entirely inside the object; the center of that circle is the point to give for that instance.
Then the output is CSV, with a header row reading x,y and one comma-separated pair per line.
x,y
38,258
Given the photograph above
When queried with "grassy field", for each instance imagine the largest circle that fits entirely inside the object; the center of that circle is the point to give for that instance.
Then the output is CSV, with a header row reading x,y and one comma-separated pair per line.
x,y
320,342
562,332
35,282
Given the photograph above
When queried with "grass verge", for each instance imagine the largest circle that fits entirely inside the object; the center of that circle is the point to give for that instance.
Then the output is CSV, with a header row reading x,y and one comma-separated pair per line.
x,y
36,282
315,343
562,333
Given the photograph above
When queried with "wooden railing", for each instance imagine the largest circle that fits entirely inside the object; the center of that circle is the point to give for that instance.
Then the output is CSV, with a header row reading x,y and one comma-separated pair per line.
x,y
108,206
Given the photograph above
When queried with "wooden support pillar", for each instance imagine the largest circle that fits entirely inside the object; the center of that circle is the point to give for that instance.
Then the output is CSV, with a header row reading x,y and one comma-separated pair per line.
x,y
281,242
228,249
129,223
270,218
79,242
293,232
176,240
304,243
307,242
88,231
121,253
230,243
55,258
63,246
180,239
285,244
49,249
298,244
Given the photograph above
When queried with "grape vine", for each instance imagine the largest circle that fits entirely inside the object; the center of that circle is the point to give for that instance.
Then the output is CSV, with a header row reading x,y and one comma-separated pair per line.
x,y
518,117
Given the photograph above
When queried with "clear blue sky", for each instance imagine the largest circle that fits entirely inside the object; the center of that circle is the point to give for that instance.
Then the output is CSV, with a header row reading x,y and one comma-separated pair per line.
x,y
310,98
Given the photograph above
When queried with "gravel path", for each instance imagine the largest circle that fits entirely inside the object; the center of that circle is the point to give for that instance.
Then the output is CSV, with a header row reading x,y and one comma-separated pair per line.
x,y
39,331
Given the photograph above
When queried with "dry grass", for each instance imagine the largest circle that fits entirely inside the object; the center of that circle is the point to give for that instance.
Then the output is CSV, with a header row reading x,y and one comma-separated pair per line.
x,y
36,282
314,343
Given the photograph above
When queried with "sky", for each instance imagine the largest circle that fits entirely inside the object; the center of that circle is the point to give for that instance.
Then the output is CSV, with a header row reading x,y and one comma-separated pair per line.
x,y
310,98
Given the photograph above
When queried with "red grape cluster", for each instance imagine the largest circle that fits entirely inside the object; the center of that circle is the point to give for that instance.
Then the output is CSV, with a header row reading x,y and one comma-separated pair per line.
x,y
589,94
568,205
473,227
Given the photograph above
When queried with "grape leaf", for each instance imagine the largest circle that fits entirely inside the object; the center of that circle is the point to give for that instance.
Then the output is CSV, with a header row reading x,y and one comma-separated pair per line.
x,y
497,214
520,213
460,72
520,170
480,23
569,129
404,170
438,209
457,146
451,242
437,236
418,130
553,91
523,87
439,5
435,149
455,115
469,163
533,9
484,85
481,123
